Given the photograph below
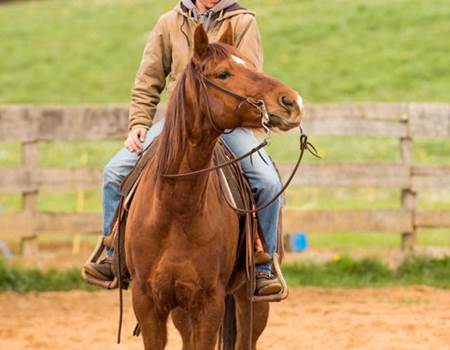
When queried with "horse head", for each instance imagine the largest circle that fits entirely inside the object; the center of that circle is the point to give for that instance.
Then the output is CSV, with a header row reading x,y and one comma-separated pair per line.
x,y
236,94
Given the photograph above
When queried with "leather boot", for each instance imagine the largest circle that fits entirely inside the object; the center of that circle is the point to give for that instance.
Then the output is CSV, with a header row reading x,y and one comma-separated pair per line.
x,y
101,270
266,285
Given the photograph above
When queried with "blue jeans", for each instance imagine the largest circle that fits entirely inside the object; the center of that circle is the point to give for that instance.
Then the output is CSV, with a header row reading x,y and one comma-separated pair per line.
x,y
262,176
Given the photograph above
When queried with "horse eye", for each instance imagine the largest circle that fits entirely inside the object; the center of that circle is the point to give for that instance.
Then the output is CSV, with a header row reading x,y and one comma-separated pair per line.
x,y
224,75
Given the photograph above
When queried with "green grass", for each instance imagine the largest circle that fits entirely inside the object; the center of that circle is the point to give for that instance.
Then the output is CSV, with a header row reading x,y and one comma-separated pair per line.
x,y
9,154
431,151
337,148
339,273
77,154
433,237
88,51
346,243
369,272
10,202
342,198
360,149
27,280
70,201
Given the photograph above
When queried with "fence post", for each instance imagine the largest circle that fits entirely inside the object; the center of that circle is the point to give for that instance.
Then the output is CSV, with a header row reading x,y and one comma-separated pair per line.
x,y
408,196
28,243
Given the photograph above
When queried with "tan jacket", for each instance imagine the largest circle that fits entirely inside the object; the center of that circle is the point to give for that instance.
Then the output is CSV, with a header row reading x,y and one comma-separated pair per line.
x,y
169,49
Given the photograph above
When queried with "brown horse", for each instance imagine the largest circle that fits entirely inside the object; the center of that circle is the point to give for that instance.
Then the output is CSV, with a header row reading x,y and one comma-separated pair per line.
x,y
181,240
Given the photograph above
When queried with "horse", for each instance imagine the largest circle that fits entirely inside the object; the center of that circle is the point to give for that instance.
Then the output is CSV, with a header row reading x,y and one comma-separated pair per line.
x,y
180,239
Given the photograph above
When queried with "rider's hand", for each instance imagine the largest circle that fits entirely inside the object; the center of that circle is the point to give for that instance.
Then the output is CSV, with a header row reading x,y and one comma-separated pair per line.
x,y
135,139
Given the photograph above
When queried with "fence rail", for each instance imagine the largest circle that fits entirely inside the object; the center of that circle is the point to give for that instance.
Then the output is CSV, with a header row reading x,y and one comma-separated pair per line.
x,y
33,124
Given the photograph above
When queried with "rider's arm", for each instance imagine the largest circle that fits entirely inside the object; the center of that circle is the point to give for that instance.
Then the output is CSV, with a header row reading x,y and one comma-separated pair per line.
x,y
151,78
248,40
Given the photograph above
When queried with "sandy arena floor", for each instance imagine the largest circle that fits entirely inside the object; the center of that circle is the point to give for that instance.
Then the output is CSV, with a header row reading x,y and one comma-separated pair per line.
x,y
387,319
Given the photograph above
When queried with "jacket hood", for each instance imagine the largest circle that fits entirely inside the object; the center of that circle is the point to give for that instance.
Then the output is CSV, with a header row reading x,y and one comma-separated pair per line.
x,y
221,5
224,9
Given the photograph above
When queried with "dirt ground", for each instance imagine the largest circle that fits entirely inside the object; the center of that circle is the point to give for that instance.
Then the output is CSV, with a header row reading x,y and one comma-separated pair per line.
x,y
410,318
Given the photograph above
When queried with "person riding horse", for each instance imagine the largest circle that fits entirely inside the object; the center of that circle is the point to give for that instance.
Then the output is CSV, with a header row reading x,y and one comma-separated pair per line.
x,y
168,50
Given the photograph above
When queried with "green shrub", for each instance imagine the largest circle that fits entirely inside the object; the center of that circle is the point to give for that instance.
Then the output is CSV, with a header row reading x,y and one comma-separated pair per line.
x,y
340,273
422,270
370,272
24,280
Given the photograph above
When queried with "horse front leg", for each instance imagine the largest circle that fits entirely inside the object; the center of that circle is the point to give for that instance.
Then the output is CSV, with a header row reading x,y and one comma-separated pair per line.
x,y
207,321
260,317
182,321
153,323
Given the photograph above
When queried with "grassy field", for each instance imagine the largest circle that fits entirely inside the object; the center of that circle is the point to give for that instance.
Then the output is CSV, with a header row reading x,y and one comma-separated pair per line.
x,y
88,51
332,51
369,272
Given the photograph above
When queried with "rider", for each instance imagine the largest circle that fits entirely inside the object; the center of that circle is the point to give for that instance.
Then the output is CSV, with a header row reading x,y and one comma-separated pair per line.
x,y
168,50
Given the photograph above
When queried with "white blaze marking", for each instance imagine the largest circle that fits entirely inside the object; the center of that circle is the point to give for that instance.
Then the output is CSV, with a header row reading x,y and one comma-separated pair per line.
x,y
300,102
238,60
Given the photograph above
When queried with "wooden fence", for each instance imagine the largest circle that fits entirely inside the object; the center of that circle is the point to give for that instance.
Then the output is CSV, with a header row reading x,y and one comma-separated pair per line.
x,y
30,125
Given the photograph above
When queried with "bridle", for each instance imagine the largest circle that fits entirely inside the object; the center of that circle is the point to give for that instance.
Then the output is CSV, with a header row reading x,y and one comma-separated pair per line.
x,y
260,106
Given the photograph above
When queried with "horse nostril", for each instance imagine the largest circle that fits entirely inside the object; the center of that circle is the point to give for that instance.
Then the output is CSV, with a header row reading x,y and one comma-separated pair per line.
x,y
286,102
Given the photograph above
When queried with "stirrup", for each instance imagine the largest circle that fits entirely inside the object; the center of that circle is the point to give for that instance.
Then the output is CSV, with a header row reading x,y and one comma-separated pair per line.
x,y
284,292
99,248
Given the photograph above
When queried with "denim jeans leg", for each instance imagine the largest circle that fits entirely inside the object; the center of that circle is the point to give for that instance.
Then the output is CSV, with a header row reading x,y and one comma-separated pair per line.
x,y
265,183
119,167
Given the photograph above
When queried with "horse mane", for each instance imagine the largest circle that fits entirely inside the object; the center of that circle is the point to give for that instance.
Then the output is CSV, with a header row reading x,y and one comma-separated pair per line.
x,y
174,135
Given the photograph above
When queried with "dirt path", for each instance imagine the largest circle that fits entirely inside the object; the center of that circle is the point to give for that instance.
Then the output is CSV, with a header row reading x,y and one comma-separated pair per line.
x,y
312,319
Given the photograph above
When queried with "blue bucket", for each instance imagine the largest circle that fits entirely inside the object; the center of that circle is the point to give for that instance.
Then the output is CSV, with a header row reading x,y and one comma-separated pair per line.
x,y
298,241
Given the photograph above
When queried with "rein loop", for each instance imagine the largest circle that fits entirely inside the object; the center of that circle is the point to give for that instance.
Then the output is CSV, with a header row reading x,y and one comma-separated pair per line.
x,y
305,145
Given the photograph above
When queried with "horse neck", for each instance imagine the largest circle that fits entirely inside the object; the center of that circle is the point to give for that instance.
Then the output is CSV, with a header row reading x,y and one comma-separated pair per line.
x,y
187,144
188,194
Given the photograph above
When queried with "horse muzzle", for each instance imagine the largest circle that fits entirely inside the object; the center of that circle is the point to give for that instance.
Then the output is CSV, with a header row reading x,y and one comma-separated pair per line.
x,y
283,123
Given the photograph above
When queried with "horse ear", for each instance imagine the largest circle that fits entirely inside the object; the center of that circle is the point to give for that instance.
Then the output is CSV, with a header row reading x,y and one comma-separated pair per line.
x,y
201,42
228,36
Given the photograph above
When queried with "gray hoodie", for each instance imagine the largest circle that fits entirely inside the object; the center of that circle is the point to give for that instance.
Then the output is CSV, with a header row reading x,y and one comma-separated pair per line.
x,y
209,17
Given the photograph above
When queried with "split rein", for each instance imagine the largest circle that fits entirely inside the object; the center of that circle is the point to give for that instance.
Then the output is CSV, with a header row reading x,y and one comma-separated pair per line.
x,y
305,145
